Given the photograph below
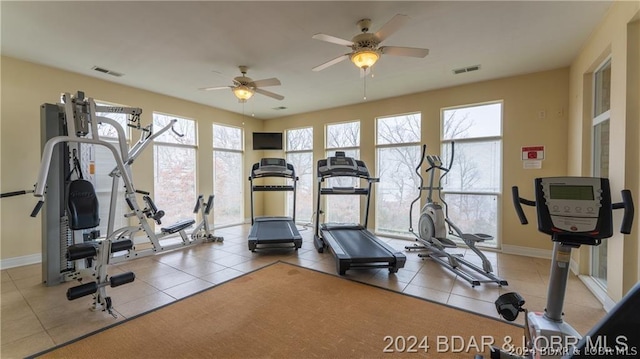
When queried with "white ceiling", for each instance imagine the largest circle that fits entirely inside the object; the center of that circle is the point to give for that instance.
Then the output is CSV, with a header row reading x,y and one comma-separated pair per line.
x,y
174,48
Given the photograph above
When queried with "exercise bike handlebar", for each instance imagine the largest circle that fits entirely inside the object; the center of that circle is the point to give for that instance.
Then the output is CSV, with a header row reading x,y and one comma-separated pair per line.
x,y
626,204
629,211
517,201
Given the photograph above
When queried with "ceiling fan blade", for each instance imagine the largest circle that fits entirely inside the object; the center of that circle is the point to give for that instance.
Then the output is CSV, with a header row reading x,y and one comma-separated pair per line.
x,y
332,39
391,26
270,94
215,88
266,82
331,62
404,51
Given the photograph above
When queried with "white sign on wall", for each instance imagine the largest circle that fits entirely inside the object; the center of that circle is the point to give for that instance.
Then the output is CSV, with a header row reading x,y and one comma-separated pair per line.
x,y
532,157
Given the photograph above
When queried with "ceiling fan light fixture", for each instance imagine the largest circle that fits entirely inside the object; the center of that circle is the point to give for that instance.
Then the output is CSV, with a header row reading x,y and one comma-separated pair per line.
x,y
243,92
365,58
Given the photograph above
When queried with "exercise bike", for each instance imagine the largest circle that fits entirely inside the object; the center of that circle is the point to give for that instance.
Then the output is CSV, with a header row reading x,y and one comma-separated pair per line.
x,y
433,234
574,211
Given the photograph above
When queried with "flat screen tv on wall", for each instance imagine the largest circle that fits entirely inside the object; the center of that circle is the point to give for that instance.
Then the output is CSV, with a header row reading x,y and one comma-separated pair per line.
x,y
267,140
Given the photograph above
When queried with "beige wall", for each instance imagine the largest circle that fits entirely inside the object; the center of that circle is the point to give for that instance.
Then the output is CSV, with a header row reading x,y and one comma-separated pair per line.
x,y
616,37
524,97
25,86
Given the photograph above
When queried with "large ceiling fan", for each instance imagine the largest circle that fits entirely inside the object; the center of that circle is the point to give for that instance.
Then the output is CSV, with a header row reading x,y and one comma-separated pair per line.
x,y
244,87
365,46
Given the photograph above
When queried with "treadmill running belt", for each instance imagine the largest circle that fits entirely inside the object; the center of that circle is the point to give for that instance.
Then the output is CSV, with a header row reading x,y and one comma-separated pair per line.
x,y
273,230
360,244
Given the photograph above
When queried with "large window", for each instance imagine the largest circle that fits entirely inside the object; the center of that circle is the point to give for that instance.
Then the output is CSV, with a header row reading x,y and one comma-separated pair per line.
x,y
473,186
228,176
600,149
343,137
398,154
299,152
174,168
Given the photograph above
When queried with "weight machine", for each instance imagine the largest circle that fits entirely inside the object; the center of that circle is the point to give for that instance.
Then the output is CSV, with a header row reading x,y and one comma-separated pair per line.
x,y
72,251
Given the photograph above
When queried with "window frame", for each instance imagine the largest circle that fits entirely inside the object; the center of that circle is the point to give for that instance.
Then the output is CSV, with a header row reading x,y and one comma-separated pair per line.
x,y
377,147
241,152
445,144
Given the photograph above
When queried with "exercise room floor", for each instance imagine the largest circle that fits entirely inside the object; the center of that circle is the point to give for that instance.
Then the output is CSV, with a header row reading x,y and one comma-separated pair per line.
x,y
35,317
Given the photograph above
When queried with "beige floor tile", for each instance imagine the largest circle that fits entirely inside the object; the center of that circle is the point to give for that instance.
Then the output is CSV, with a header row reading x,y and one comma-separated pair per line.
x,y
170,280
26,346
222,275
20,328
188,288
32,270
144,304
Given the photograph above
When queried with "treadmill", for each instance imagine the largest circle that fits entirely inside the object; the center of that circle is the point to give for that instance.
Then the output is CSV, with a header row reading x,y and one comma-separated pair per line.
x,y
352,245
273,232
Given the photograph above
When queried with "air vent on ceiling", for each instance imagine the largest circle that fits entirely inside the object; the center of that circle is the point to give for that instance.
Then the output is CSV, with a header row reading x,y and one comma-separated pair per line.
x,y
105,71
466,69
279,108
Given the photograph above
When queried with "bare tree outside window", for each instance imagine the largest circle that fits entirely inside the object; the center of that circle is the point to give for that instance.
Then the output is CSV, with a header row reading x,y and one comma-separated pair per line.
x,y
299,153
398,152
343,137
473,185
228,184
175,168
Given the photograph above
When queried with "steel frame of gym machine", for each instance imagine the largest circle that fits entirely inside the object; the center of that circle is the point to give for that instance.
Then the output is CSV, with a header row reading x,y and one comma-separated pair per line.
x,y
352,245
64,127
574,211
432,233
271,232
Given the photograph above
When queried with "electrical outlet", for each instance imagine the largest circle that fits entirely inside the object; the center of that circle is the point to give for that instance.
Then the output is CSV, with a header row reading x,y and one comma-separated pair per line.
x,y
542,114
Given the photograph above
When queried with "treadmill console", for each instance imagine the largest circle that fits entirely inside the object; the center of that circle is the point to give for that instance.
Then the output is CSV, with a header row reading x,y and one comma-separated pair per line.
x,y
272,167
574,206
341,165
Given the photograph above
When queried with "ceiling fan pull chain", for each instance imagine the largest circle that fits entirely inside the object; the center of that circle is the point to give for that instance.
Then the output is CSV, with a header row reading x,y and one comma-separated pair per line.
x,y
365,87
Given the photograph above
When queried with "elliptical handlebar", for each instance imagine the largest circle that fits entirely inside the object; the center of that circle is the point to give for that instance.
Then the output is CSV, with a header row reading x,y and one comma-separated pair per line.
x,y
422,157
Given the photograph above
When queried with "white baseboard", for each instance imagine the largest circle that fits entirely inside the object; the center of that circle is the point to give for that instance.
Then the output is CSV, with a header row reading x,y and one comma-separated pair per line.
x,y
526,251
20,261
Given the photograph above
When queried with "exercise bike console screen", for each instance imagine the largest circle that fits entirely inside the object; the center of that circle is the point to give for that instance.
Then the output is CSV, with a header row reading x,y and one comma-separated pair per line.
x,y
574,206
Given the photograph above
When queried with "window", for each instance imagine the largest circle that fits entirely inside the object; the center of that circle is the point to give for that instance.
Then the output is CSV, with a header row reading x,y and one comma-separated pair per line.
x,y
299,152
174,154
473,185
228,176
343,208
600,150
97,162
397,154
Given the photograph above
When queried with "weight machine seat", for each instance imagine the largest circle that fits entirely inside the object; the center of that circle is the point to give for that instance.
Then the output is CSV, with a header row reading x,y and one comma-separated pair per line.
x,y
174,228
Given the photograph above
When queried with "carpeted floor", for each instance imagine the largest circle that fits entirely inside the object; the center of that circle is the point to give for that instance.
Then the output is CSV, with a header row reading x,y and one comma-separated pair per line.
x,y
286,311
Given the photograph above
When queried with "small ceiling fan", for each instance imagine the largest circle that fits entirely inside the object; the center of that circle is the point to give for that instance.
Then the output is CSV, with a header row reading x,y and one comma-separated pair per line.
x,y
244,87
365,46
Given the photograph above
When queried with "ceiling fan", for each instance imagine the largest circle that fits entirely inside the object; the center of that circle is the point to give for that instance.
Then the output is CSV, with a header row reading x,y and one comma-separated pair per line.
x,y
244,87
365,46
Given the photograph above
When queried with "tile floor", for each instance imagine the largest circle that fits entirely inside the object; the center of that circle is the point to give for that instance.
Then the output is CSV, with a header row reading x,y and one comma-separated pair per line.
x,y
35,317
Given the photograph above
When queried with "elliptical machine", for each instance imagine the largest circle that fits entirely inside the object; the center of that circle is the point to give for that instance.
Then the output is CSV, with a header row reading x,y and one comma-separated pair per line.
x,y
433,232
574,211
